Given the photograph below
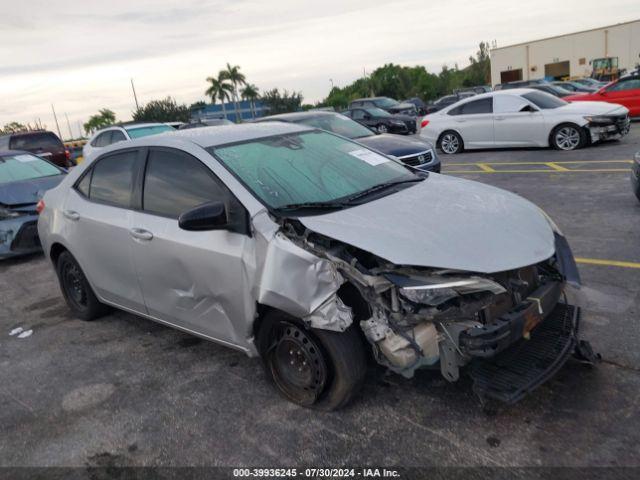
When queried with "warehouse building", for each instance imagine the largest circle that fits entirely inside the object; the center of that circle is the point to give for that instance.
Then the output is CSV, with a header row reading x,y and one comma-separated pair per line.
x,y
569,55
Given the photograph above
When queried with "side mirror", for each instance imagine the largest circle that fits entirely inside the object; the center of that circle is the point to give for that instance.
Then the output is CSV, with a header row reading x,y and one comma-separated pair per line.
x,y
208,216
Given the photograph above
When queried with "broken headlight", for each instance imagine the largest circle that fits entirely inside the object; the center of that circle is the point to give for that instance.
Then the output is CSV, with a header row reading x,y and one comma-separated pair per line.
x,y
598,119
436,290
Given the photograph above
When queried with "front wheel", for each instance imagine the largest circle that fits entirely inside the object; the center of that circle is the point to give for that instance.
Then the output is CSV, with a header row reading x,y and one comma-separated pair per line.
x,y
314,368
568,137
450,143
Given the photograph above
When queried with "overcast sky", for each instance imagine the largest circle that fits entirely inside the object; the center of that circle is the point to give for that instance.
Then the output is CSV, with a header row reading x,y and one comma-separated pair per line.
x,y
80,54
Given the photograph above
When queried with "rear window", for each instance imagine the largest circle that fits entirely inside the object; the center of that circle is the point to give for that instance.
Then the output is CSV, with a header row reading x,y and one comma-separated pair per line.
x,y
151,130
14,168
35,141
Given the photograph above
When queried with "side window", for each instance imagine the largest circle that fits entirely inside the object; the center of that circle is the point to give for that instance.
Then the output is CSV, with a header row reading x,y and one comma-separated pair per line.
x,y
112,179
117,136
455,111
102,140
508,104
630,84
476,107
83,185
176,182
358,115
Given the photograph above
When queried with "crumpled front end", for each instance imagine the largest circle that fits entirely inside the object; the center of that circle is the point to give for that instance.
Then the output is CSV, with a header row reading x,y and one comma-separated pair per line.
x,y
447,319
19,236
608,127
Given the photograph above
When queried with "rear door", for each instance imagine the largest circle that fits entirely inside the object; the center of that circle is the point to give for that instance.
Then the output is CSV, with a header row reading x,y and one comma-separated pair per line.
x,y
517,123
97,222
625,92
474,121
195,280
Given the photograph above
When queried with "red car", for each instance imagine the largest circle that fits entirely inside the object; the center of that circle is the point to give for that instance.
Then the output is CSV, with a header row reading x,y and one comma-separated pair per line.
x,y
41,143
624,91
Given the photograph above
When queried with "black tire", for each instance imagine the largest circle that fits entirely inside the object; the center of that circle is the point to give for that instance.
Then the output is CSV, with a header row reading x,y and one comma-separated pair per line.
x,y
76,290
450,142
568,137
335,365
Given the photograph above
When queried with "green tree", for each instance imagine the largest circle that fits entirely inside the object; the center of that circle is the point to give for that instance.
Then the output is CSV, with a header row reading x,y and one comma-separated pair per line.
x,y
250,92
13,127
165,110
219,89
284,102
237,79
103,118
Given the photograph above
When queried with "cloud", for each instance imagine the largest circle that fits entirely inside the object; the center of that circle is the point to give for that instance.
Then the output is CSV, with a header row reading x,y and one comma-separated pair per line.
x,y
81,55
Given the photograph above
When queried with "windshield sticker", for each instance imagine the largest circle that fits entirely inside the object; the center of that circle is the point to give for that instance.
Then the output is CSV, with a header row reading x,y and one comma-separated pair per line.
x,y
372,158
25,158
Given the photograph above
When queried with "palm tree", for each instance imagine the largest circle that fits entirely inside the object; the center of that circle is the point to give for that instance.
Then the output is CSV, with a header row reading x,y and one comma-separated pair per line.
x,y
219,89
233,74
250,92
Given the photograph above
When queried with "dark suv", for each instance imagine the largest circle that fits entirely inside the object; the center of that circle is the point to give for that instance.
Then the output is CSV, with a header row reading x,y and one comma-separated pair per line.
x,y
41,143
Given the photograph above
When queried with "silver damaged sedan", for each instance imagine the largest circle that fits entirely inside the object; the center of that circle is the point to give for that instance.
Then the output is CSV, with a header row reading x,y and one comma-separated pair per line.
x,y
314,252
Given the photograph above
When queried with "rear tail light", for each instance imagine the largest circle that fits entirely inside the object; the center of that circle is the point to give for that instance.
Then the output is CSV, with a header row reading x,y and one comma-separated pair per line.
x,y
424,123
40,206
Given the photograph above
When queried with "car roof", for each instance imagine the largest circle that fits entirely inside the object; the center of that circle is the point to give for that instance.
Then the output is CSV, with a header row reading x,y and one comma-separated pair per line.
x,y
31,132
292,117
480,96
368,98
224,134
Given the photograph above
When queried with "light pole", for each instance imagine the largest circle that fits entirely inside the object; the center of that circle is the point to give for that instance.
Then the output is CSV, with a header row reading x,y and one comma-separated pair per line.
x,y
331,80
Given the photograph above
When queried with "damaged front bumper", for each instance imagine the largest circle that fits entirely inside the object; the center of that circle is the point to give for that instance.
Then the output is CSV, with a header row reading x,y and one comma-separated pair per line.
x,y
608,128
518,370
19,236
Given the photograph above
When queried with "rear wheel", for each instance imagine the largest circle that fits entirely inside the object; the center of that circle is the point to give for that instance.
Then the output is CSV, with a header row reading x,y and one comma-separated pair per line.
x,y
568,136
450,142
77,292
314,368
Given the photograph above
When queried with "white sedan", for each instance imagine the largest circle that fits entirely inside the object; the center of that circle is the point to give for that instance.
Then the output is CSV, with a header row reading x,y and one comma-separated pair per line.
x,y
523,118
120,133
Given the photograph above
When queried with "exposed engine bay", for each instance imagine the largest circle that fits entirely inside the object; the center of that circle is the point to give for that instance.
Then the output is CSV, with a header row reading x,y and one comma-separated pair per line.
x,y
421,317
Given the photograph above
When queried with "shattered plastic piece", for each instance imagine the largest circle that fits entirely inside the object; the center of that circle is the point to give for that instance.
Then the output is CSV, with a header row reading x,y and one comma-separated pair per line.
x,y
25,334
15,331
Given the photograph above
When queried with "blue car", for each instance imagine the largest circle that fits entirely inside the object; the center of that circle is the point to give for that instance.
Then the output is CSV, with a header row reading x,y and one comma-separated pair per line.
x,y
24,178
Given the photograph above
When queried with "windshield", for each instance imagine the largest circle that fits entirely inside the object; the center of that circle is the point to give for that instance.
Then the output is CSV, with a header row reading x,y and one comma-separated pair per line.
x,y
308,167
386,102
544,100
137,132
14,168
338,124
377,112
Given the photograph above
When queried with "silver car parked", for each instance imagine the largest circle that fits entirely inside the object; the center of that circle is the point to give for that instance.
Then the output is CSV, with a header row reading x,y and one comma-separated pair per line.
x,y
313,252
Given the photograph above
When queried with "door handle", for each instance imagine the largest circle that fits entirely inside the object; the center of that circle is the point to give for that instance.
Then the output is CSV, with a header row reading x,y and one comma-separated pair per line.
x,y
71,215
141,234
498,118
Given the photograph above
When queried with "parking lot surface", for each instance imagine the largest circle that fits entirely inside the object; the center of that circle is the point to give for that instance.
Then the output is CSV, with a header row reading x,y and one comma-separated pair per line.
x,y
126,391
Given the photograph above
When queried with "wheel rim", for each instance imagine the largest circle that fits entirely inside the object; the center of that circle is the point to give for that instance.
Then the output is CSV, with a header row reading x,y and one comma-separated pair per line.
x,y
382,128
297,365
567,138
72,281
450,143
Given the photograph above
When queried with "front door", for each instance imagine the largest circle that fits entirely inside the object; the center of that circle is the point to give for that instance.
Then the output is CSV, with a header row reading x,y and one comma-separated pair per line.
x,y
194,280
517,123
97,217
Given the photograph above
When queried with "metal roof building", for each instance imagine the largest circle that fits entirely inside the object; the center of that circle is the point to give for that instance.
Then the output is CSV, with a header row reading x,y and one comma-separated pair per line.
x,y
567,55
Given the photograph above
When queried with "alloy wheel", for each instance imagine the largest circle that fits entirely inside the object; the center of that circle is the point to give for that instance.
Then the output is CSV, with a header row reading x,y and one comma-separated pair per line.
x,y
567,138
450,143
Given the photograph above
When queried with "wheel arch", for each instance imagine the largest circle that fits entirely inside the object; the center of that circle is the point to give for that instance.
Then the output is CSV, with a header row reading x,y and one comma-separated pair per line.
x,y
571,122
444,132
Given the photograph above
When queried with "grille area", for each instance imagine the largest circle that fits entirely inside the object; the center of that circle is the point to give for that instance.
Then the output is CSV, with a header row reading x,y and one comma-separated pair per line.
x,y
517,371
422,158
